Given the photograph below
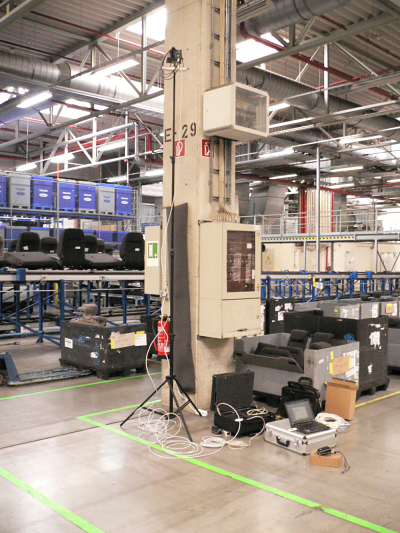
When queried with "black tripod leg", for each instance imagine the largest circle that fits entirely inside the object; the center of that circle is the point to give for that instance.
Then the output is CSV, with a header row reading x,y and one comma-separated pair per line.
x,y
187,396
171,388
142,404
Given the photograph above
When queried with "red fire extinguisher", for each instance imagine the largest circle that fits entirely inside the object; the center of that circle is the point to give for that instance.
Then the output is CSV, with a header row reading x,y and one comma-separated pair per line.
x,y
163,346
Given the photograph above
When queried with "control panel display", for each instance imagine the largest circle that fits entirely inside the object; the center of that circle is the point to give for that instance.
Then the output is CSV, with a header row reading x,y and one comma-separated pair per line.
x,y
241,261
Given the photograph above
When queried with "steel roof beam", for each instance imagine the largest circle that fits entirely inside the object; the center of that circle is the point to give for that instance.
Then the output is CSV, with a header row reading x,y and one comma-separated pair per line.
x,y
112,108
18,12
332,37
118,26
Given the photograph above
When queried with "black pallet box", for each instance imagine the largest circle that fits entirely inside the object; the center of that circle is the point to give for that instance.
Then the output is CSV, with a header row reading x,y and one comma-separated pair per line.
x,y
275,308
371,333
235,389
105,350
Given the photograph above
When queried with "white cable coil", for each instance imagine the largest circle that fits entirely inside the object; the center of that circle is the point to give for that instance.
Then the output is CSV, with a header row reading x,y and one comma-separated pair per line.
x,y
333,421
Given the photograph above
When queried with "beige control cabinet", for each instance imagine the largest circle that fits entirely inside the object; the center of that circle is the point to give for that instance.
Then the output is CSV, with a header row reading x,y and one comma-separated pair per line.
x,y
230,280
152,260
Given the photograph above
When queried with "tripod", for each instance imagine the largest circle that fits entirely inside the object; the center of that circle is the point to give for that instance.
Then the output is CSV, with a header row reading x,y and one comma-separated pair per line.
x,y
173,57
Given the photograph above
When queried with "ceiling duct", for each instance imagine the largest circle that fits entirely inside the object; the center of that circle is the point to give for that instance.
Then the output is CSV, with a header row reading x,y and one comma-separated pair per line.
x,y
267,200
32,72
297,94
288,12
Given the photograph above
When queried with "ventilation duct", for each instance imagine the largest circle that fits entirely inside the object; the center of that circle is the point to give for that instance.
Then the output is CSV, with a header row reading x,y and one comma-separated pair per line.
x,y
267,200
287,12
33,71
297,94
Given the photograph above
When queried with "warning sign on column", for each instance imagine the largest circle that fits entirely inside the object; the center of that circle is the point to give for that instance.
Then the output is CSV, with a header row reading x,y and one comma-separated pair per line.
x,y
205,148
180,148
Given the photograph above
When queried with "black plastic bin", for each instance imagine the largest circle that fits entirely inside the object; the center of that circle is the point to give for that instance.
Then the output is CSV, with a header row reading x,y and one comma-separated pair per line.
x,y
106,350
367,331
275,308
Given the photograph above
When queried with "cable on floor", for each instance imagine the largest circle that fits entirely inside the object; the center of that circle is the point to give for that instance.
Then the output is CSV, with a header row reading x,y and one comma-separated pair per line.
x,y
333,421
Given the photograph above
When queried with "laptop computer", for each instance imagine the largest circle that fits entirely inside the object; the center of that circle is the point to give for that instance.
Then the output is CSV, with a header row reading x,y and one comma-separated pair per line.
x,y
301,417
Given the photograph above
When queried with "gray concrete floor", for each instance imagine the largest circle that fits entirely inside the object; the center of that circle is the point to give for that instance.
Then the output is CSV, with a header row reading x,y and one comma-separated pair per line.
x,y
117,486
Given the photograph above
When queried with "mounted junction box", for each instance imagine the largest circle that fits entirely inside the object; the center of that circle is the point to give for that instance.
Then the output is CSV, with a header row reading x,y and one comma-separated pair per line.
x,y
230,280
236,111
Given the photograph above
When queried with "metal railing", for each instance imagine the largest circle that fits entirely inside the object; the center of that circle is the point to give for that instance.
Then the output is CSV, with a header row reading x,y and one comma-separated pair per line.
x,y
304,224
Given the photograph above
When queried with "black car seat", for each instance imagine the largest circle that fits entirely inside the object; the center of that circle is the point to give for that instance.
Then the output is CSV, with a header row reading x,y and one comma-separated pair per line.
x,y
91,246
3,262
132,251
99,261
100,246
108,248
48,245
28,254
71,248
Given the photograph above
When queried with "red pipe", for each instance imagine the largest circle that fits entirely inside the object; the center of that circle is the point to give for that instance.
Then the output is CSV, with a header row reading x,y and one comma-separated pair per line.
x,y
312,62
149,148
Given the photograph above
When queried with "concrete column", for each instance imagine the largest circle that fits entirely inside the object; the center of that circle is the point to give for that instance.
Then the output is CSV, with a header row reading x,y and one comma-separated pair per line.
x,y
189,28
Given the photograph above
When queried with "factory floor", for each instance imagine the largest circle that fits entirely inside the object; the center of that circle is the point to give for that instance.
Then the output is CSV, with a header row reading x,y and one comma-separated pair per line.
x,y
67,466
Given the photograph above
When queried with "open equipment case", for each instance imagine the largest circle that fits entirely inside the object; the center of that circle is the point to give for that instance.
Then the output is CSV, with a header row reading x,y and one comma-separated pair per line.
x,y
235,389
282,434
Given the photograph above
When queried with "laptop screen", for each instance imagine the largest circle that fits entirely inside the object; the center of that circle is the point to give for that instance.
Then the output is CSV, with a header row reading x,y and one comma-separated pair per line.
x,y
299,411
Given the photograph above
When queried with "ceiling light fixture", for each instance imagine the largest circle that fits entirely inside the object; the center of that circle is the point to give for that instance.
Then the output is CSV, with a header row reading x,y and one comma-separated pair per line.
x,y
276,107
276,153
341,186
111,146
154,173
34,99
282,177
155,25
116,179
117,67
356,138
346,169
62,158
26,166
393,181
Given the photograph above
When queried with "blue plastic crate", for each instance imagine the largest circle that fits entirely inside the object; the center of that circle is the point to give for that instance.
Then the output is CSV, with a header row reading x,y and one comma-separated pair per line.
x,y
16,231
3,191
86,197
123,200
66,194
42,192
117,238
43,232
106,235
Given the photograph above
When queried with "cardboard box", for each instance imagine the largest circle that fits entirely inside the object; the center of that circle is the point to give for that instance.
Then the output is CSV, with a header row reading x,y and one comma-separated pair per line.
x,y
341,398
334,460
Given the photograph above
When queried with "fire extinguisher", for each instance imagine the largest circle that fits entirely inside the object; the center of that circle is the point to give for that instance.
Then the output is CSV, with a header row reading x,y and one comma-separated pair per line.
x,y
163,347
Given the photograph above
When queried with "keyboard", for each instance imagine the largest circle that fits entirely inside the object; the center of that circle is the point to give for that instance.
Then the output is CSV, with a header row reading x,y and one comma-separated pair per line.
x,y
311,427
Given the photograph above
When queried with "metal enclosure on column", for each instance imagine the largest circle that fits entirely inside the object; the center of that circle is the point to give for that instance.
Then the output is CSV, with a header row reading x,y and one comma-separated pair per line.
x,y
204,175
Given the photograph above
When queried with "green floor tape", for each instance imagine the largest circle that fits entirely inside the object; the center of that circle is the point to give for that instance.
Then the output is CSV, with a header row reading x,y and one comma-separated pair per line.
x,y
51,504
241,479
79,386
